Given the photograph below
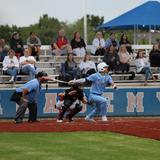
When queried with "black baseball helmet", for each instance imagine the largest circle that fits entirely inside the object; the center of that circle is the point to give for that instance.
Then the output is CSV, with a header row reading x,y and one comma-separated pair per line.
x,y
41,74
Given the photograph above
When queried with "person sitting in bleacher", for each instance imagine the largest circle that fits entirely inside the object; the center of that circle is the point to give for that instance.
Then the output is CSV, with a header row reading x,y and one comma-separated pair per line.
x,y
34,45
61,45
78,45
87,66
98,45
16,44
143,66
3,49
154,56
27,63
69,69
111,58
11,65
124,40
124,58
2,42
112,41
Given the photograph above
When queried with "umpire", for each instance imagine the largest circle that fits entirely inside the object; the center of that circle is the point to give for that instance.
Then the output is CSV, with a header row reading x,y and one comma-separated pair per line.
x,y
27,96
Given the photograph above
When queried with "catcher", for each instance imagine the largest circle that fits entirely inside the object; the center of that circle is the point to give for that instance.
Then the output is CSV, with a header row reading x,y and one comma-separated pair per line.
x,y
70,102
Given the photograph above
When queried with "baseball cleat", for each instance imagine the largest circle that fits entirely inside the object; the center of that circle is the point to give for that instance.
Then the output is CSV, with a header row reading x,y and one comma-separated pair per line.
x,y
59,120
89,119
104,119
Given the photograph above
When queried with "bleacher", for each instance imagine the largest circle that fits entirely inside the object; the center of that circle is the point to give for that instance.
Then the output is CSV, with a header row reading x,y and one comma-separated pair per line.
x,y
51,64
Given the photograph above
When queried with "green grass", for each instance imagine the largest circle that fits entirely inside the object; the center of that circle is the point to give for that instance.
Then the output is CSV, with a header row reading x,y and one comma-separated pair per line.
x,y
76,146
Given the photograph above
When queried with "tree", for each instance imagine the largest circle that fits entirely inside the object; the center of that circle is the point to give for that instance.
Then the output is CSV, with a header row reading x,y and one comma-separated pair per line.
x,y
5,32
48,27
95,21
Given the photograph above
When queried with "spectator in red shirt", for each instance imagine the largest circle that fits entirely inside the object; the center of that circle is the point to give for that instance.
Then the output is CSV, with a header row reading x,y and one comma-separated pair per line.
x,y
61,45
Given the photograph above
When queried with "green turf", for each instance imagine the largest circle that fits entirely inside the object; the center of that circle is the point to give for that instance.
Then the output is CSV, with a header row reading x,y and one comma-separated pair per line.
x,y
76,146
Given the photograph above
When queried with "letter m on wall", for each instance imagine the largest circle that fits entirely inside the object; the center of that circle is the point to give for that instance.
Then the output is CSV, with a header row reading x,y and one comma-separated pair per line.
x,y
135,102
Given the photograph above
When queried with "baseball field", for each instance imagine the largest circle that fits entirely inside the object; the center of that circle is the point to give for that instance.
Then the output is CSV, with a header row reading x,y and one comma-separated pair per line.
x,y
119,138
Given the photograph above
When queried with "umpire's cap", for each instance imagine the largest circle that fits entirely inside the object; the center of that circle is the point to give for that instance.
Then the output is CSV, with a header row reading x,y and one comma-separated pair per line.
x,y
41,74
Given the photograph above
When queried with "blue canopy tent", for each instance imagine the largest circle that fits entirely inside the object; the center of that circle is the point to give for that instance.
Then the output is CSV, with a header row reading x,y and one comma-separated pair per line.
x,y
145,16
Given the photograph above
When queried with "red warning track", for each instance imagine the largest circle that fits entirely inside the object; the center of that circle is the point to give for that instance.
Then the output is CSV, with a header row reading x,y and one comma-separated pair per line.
x,y
141,127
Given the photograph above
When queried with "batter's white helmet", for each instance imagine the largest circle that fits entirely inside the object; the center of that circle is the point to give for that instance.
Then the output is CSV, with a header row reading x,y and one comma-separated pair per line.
x,y
101,66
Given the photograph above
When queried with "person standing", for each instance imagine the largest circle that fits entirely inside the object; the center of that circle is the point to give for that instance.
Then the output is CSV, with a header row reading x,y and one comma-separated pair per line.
x,y
99,80
27,97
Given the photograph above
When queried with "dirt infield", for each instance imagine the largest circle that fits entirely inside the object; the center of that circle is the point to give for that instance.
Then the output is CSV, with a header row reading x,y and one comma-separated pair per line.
x,y
141,127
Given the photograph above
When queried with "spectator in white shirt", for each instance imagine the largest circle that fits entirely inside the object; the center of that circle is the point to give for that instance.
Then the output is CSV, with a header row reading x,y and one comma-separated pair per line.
x,y
11,65
87,66
27,63
98,44
143,66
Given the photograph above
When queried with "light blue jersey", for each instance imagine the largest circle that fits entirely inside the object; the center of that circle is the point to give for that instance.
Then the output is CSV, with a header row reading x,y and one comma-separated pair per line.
x,y
99,82
33,87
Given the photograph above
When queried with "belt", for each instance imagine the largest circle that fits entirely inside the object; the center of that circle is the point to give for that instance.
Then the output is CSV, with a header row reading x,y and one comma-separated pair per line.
x,y
97,94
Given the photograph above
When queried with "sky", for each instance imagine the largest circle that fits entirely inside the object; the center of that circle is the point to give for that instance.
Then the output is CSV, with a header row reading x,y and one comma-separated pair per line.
x,y
26,12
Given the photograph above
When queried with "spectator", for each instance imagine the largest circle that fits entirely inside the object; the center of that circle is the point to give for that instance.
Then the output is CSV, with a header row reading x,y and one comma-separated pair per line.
x,y
27,64
87,66
16,44
34,45
143,66
2,43
3,52
11,65
124,58
154,56
98,45
60,45
3,49
124,40
112,41
69,68
111,58
78,45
